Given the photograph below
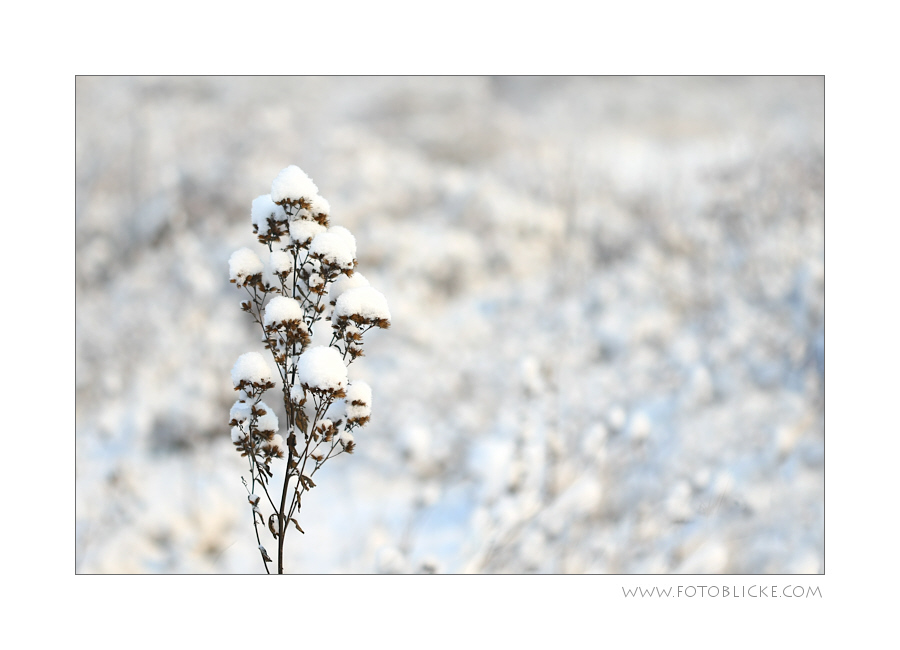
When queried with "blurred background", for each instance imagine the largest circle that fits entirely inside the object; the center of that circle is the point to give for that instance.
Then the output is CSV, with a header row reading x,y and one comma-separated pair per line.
x,y
607,349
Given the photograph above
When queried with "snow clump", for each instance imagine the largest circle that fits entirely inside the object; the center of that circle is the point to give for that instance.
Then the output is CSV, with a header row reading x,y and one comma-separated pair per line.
x,y
277,443
269,421
347,236
363,305
335,248
318,205
345,283
291,185
242,264
322,368
280,263
262,209
303,231
282,309
359,402
240,412
251,368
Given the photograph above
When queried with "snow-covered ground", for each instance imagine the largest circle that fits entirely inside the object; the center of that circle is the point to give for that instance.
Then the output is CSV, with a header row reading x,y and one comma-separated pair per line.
x,y
607,342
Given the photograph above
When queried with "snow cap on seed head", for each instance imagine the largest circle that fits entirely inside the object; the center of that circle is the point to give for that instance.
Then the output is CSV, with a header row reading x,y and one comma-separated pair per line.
x,y
268,421
280,263
322,369
358,402
240,411
336,247
362,305
303,231
243,264
291,185
264,208
281,310
345,283
251,368
319,206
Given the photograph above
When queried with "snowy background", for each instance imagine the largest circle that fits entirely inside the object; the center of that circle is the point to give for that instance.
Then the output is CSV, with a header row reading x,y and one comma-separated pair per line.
x,y
607,349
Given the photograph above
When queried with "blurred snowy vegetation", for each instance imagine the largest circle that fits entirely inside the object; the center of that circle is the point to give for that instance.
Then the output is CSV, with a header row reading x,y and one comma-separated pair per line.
x,y
607,348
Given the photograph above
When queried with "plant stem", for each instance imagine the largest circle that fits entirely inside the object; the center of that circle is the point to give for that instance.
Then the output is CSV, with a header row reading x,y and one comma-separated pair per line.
x,y
281,526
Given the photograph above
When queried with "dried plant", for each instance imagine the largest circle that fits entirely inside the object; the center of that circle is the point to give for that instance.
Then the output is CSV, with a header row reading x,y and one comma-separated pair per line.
x,y
310,277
